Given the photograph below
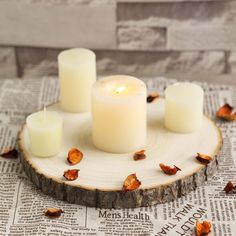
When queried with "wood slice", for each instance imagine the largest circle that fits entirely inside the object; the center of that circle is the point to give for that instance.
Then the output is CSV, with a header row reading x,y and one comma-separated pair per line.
x,y
102,174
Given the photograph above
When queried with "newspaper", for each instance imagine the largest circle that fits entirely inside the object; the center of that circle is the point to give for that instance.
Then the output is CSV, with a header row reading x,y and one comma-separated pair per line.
x,y
22,204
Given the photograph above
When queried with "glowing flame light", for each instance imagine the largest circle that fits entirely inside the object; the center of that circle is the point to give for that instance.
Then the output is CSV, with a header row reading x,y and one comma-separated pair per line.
x,y
120,89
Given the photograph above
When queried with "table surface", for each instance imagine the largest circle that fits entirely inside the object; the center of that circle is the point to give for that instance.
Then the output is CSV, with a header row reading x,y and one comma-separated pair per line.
x,y
22,205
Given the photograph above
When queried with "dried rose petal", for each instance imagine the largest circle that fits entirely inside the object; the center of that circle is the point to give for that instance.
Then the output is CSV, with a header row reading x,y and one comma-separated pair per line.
x,y
71,174
169,170
226,113
204,159
10,153
53,212
198,228
140,155
74,156
229,187
203,228
206,227
152,96
131,183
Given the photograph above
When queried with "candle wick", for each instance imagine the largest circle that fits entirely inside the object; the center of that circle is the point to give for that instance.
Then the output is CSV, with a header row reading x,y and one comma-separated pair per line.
x,y
44,114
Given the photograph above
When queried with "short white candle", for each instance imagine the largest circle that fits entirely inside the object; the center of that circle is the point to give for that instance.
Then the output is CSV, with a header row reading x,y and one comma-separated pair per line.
x,y
183,107
77,73
45,133
119,114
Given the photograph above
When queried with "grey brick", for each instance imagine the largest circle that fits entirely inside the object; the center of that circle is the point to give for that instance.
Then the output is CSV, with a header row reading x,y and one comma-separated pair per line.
x,y
202,38
232,62
156,63
8,67
173,13
37,62
40,24
143,38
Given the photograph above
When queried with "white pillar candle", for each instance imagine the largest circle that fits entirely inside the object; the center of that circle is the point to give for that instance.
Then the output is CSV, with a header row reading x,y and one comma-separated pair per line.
x,y
45,133
77,73
119,114
183,107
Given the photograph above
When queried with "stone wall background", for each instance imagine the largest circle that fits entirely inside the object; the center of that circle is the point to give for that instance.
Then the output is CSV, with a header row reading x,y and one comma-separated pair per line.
x,y
138,37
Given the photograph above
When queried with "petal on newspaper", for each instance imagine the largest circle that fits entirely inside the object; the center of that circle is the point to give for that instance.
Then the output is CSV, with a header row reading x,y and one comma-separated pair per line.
x,y
226,113
203,228
10,153
53,212
152,96
229,187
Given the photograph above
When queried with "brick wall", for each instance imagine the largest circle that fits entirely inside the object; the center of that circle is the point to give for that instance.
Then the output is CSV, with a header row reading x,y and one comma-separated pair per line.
x,y
139,37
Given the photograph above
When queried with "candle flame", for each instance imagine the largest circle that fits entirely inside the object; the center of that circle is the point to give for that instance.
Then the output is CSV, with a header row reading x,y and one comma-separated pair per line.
x,y
120,89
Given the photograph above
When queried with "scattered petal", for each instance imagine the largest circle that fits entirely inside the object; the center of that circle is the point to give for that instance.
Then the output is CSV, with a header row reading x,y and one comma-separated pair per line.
x,y
10,153
140,155
226,112
131,183
204,159
53,212
229,187
203,228
74,156
169,170
152,96
71,174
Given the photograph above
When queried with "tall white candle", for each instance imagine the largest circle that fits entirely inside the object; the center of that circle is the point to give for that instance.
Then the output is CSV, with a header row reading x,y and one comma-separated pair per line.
x,y
45,133
183,107
119,114
77,73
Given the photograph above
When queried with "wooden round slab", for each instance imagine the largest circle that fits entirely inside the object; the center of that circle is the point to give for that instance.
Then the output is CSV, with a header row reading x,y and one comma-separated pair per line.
x,y
102,174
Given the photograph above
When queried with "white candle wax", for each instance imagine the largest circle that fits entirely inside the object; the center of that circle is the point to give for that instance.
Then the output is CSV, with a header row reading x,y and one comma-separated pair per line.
x,y
45,133
183,107
77,73
119,114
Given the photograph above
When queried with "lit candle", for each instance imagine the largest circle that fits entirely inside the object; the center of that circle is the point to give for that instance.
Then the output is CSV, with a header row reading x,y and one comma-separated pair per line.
x,y
45,133
183,107
119,114
77,73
